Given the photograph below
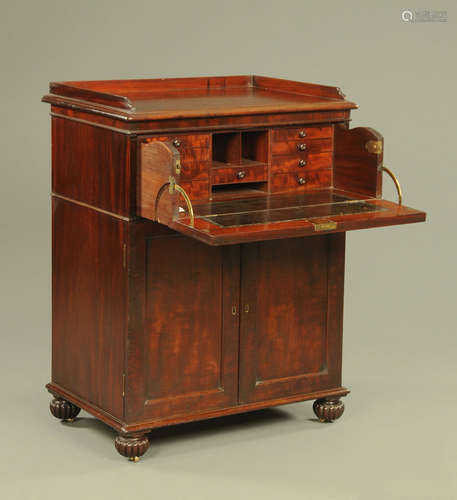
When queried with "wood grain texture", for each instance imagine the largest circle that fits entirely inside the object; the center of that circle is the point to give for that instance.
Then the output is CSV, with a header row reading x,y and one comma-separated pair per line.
x,y
312,179
181,360
132,428
294,163
141,100
185,142
285,339
239,175
88,304
392,214
282,134
159,162
355,168
92,165
293,147
116,121
159,324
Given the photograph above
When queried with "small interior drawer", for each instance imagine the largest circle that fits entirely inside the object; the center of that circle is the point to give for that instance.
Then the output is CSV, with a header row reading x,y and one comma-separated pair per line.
x,y
240,174
301,163
297,133
301,146
294,181
184,141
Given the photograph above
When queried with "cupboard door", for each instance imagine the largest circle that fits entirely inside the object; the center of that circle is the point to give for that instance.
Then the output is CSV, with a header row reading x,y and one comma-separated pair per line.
x,y
187,346
291,317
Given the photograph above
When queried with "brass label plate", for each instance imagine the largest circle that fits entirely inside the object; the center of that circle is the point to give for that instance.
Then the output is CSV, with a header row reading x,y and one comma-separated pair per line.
x,y
325,225
374,147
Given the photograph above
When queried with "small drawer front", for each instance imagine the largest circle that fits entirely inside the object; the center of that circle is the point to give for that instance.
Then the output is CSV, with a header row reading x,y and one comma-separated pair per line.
x,y
297,133
236,175
294,181
301,163
301,146
185,141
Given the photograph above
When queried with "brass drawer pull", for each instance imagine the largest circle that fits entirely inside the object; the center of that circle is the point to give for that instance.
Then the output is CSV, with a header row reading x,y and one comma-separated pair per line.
x,y
176,143
397,184
302,133
301,181
241,175
301,146
302,163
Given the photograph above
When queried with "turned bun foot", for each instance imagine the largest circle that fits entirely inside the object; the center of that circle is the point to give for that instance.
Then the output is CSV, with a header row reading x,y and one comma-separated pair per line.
x,y
327,410
132,447
63,409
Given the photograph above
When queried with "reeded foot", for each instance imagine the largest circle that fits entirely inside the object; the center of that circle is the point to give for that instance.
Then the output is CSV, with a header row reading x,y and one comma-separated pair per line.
x,y
132,447
328,409
63,409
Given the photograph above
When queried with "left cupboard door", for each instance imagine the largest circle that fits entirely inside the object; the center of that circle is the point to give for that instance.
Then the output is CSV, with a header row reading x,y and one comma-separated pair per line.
x,y
183,340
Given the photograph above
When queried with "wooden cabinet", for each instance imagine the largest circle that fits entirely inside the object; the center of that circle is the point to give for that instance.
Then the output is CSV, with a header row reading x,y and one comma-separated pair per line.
x,y
204,306
199,230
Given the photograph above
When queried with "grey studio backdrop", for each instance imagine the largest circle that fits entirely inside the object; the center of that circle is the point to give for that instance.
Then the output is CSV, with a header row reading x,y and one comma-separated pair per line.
x,y
397,438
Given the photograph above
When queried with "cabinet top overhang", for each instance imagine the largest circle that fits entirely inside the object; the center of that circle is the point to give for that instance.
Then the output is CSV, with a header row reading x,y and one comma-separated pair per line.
x,y
174,98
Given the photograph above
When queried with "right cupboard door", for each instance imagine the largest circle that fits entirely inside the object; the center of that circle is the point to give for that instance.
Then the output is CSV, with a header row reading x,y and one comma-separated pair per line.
x,y
291,317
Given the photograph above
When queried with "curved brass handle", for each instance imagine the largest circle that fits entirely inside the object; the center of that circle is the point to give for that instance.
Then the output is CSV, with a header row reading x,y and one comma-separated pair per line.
x,y
172,187
190,209
397,184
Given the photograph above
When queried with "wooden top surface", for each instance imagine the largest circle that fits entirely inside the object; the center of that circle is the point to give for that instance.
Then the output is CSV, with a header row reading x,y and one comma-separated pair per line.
x,y
158,99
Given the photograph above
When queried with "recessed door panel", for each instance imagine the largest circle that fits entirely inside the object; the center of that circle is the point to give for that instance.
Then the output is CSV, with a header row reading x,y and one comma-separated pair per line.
x,y
190,336
290,333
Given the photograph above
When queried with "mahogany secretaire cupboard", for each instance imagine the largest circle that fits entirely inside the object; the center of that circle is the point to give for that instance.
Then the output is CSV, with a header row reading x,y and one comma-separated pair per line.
x,y
198,246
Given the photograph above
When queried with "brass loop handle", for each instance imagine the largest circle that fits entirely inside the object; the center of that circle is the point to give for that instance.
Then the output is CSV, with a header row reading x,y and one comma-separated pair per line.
x,y
397,184
190,209
172,188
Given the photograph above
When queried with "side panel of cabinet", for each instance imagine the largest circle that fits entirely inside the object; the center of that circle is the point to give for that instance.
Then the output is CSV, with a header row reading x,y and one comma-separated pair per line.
x,y
89,305
291,319
93,165
183,335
